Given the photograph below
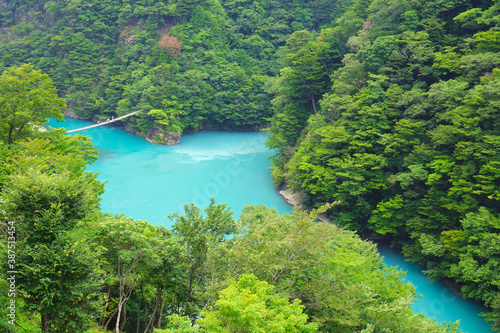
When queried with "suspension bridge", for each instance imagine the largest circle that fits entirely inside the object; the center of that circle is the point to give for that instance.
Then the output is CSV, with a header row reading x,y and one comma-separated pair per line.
x,y
104,122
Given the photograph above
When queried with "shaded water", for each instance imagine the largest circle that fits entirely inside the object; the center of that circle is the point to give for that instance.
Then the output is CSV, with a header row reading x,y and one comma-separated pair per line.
x,y
147,181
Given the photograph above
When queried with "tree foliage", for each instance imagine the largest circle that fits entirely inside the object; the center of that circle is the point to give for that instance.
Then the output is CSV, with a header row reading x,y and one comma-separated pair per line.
x,y
47,197
27,99
249,305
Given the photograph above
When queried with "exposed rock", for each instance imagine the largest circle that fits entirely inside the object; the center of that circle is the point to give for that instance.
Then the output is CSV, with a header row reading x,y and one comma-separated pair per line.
x,y
294,199
157,135
324,218
69,113
130,39
291,198
128,33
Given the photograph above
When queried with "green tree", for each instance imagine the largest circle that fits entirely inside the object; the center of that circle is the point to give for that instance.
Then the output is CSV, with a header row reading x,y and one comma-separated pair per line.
x,y
132,251
178,323
197,234
339,279
479,260
50,152
298,89
168,119
26,320
250,305
342,161
47,194
27,100
58,272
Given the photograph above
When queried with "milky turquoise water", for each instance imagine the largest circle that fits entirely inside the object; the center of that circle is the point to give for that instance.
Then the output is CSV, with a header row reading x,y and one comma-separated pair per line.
x,y
148,181
437,300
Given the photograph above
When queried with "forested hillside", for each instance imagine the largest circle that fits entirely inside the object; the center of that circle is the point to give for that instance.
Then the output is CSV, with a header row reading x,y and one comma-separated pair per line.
x,y
187,64
389,109
406,135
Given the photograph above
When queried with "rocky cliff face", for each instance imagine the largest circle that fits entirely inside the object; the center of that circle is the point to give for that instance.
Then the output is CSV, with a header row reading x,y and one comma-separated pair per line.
x,y
157,135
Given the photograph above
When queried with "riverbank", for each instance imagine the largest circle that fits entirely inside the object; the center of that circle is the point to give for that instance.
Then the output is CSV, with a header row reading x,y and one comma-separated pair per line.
x,y
295,200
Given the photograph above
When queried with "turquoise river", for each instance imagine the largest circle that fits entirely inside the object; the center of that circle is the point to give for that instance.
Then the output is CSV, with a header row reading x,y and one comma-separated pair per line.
x,y
147,182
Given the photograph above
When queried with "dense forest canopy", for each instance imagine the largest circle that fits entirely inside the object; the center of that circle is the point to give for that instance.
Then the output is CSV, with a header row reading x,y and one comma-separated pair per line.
x,y
387,108
406,137
187,64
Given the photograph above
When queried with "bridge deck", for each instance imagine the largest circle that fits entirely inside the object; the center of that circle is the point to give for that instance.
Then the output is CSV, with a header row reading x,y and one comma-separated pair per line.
x,y
103,123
